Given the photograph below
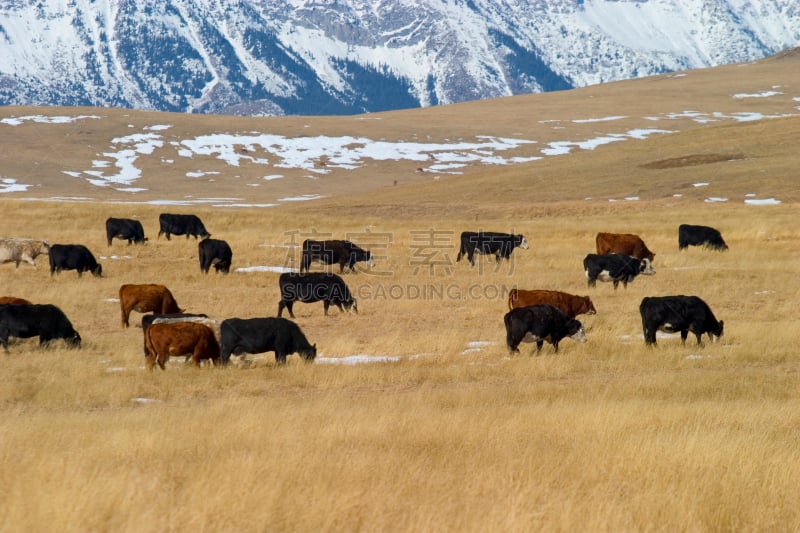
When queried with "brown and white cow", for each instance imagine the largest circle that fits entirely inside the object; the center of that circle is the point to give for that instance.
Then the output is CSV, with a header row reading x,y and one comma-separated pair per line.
x,y
15,250
190,339
569,304
14,300
623,243
146,298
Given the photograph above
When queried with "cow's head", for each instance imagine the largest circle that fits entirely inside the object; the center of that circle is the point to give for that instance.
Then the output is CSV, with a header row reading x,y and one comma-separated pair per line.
x,y
74,341
716,333
309,354
521,242
587,306
576,331
351,306
97,271
370,259
646,267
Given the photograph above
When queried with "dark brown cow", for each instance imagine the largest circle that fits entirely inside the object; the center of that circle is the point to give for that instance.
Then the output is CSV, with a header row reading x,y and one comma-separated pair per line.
x,y
146,298
569,304
190,339
623,243
14,300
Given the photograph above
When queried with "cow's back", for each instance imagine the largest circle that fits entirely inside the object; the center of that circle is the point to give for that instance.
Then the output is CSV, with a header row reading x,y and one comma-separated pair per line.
x,y
570,304
13,300
624,244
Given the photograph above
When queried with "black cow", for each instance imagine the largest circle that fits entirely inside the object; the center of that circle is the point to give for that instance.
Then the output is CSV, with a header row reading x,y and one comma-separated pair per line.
x,y
539,323
126,229
181,225
214,252
489,242
147,321
73,257
615,267
678,313
333,251
257,335
707,236
45,320
309,287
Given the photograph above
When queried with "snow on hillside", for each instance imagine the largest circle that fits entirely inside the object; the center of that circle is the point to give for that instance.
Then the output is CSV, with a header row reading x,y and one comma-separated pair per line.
x,y
117,167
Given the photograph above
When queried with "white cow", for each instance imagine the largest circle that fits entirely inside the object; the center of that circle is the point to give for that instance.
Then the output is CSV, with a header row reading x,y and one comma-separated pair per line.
x,y
16,250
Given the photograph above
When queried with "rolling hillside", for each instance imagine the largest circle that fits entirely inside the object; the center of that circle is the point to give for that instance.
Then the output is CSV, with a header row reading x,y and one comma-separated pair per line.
x,y
735,116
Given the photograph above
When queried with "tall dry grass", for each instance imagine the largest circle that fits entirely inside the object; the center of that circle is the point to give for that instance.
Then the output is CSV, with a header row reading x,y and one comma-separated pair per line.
x,y
453,435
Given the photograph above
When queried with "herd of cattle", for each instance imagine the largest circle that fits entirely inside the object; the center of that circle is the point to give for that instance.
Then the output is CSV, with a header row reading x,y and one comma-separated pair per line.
x,y
533,316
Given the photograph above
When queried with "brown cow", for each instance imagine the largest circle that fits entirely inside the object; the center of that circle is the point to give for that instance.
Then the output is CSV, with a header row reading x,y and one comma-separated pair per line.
x,y
623,243
14,300
569,304
190,339
146,298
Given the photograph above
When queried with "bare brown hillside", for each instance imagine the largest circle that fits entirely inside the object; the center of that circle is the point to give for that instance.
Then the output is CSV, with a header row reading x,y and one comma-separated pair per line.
x,y
717,116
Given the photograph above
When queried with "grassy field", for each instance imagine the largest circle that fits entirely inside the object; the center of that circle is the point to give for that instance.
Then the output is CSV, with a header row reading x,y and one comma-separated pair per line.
x,y
440,430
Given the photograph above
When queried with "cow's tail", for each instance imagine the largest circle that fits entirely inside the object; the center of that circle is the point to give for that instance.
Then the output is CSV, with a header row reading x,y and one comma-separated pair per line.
x,y
509,339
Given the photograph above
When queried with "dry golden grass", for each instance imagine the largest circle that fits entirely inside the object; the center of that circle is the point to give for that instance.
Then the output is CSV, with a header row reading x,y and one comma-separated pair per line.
x,y
451,435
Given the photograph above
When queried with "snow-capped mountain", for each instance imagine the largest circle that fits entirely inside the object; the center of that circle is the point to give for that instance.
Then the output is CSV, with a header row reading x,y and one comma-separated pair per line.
x,y
258,57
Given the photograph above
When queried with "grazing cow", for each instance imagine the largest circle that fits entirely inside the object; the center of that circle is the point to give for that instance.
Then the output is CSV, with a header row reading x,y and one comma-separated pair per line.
x,y
309,287
709,237
29,320
13,300
14,250
671,314
126,229
569,304
257,335
539,323
148,320
146,298
331,252
181,225
623,243
615,268
190,339
489,242
214,252
73,257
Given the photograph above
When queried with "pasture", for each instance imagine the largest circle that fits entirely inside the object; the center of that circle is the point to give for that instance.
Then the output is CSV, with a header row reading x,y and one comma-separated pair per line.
x,y
414,417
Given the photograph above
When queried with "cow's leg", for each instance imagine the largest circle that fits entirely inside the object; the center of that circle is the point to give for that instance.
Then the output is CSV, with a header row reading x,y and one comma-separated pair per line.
x,y
326,304
555,346
288,305
539,344
471,257
684,335
280,357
